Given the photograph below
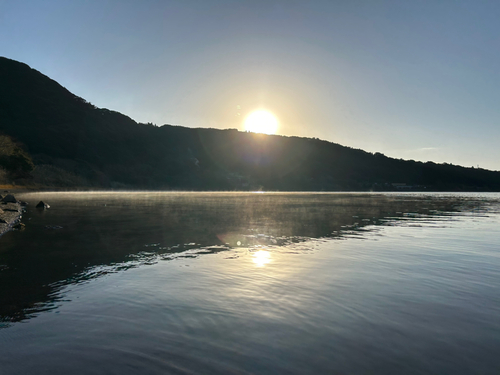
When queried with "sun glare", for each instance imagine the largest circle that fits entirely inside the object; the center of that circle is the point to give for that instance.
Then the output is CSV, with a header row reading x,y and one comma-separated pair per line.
x,y
261,258
261,121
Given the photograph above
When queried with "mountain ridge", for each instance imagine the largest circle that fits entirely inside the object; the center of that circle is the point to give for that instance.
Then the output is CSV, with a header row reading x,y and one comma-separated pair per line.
x,y
74,143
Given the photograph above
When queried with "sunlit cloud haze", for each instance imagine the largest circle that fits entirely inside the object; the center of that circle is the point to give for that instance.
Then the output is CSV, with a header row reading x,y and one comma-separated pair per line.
x,y
411,79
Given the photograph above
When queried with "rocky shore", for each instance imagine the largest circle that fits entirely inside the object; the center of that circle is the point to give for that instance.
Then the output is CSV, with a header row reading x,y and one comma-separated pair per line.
x,y
10,213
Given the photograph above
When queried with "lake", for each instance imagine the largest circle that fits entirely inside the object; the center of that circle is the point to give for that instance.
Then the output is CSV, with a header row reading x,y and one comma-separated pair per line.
x,y
252,283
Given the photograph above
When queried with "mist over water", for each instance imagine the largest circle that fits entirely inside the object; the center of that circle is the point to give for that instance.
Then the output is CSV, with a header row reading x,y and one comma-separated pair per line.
x,y
267,283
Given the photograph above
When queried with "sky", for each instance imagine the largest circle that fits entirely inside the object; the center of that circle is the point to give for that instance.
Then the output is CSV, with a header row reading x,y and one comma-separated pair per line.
x,y
411,79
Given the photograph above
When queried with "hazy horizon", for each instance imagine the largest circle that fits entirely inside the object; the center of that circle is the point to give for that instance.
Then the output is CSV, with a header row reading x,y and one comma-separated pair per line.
x,y
411,80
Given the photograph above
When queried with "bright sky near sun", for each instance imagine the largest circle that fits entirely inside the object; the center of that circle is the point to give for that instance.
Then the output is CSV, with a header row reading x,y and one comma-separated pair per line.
x,y
411,79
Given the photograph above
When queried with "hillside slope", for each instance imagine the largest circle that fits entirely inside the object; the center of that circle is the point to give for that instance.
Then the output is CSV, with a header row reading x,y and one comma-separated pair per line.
x,y
73,143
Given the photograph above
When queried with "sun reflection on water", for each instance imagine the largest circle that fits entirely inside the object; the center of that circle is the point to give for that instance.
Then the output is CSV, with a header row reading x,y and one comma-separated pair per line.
x,y
261,258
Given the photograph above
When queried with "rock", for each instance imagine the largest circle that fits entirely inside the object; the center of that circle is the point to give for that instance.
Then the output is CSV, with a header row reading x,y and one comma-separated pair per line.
x,y
2,221
42,205
9,199
19,226
23,203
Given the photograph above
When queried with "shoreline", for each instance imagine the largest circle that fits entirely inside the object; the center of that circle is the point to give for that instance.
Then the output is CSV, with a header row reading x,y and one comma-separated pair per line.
x,y
10,216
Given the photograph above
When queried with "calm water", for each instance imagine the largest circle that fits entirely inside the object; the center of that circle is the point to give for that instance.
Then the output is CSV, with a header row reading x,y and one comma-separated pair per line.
x,y
242,283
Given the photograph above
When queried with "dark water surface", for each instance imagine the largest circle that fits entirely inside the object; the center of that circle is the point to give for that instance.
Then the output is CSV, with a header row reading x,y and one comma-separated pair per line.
x,y
249,283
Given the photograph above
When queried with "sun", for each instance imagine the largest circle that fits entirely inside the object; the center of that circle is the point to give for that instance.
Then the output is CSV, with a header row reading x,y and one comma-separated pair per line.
x,y
261,121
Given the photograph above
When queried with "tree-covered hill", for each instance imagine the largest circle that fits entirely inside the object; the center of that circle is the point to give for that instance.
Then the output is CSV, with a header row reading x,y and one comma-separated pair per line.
x,y
73,143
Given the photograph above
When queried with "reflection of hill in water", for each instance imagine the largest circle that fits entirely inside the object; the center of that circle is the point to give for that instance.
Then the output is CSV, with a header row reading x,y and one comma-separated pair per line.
x,y
108,232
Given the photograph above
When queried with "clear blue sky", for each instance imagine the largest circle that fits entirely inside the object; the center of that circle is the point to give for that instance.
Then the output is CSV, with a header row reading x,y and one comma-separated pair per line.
x,y
411,79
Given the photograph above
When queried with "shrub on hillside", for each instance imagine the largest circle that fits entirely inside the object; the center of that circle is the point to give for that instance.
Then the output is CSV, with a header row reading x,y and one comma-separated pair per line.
x,y
13,159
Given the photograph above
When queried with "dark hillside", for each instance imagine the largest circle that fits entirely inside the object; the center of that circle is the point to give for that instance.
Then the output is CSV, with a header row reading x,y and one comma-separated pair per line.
x,y
73,143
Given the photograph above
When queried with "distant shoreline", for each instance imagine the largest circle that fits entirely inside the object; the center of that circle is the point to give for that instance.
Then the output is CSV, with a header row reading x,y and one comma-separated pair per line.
x,y
147,191
13,189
